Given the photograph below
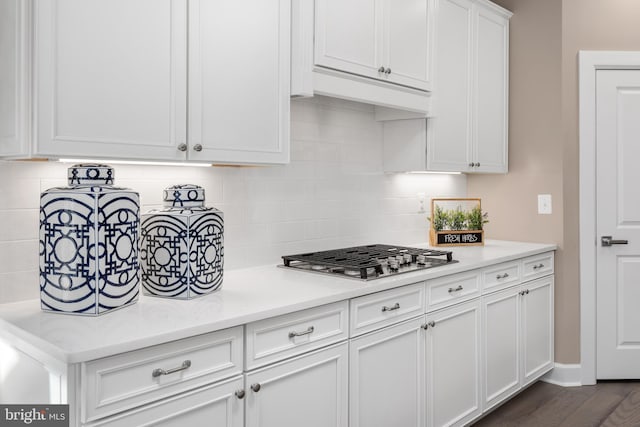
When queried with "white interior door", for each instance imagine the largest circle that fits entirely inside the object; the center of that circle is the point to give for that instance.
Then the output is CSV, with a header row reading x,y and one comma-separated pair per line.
x,y
618,216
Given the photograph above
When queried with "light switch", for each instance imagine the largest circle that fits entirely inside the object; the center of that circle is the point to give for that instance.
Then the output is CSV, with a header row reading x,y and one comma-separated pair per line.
x,y
544,204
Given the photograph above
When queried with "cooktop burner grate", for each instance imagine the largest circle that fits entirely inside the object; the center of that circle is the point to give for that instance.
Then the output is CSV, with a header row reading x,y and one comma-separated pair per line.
x,y
369,261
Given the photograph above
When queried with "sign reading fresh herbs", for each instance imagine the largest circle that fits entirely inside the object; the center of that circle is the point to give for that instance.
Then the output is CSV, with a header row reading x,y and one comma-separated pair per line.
x,y
457,222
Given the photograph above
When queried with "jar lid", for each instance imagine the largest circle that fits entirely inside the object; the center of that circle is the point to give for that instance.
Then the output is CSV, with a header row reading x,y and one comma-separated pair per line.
x,y
184,196
91,174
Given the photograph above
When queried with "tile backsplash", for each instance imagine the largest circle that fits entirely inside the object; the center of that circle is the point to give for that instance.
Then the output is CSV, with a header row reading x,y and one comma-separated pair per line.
x,y
332,194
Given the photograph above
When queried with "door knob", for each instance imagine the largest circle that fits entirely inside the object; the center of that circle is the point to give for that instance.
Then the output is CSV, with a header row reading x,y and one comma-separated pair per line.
x,y
182,147
197,147
608,241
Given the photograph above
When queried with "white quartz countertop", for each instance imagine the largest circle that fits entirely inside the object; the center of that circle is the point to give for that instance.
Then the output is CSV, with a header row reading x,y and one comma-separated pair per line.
x,y
246,295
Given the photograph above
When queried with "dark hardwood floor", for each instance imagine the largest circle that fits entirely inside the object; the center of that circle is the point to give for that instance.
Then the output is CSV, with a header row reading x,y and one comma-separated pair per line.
x,y
608,403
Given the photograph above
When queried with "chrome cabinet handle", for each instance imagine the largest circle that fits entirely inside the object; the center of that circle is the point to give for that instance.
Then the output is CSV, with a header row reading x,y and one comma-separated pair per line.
x,y
477,164
471,164
452,290
525,292
608,241
159,372
394,307
381,70
294,334
182,147
240,394
429,324
197,147
502,276
256,387
539,266
387,71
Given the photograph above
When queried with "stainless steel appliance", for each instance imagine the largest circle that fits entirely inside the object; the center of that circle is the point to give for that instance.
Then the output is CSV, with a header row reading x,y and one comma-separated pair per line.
x,y
368,262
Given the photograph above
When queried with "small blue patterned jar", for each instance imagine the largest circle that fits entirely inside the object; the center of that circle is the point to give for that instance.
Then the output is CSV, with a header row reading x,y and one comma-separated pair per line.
x,y
182,246
89,244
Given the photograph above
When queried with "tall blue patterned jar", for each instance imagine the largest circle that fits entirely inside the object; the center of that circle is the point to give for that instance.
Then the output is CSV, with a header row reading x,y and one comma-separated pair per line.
x,y
89,244
182,246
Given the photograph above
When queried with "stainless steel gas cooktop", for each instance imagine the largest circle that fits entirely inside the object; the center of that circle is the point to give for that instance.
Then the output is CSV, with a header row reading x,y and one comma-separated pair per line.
x,y
368,262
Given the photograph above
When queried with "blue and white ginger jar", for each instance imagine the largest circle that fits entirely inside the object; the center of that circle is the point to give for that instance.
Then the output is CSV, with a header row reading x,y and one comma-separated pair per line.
x,y
89,244
182,246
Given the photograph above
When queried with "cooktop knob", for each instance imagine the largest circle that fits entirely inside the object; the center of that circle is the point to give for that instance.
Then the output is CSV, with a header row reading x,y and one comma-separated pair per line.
x,y
420,259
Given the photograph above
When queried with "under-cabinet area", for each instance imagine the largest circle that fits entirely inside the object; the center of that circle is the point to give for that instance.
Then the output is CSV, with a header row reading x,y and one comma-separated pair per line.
x,y
276,347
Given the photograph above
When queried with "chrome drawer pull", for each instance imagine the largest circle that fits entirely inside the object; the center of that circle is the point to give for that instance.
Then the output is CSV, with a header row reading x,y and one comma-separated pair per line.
x,y
502,276
159,372
309,330
395,307
452,290
536,267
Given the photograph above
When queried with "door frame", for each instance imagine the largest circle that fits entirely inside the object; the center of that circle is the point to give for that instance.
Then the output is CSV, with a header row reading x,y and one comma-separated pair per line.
x,y
589,62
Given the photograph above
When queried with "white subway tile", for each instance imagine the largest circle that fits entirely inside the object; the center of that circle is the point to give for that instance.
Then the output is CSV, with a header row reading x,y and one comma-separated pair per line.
x,y
19,224
19,286
19,255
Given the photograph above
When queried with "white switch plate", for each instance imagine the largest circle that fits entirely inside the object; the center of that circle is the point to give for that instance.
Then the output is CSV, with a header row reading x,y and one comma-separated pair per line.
x,y
544,204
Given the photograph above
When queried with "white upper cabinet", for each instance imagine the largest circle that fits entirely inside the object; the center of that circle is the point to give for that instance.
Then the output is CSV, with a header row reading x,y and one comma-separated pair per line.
x,y
349,36
449,132
371,38
406,42
491,99
155,79
13,80
467,130
239,63
374,51
110,78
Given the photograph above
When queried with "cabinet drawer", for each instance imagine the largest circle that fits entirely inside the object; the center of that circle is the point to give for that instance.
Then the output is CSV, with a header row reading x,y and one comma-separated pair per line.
x,y
124,381
284,336
501,276
386,308
194,408
537,266
452,289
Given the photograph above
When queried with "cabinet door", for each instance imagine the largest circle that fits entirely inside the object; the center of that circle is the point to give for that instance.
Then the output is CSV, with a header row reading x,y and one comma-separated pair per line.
x,y
310,391
453,365
449,131
537,328
386,377
501,319
213,405
13,84
239,66
110,78
407,42
348,36
491,91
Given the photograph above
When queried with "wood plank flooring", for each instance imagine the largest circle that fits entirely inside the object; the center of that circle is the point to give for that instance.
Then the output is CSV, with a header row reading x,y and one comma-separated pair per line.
x,y
608,404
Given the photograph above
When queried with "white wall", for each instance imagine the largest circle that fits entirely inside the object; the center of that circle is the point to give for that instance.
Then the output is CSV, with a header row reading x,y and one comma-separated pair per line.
x,y
332,194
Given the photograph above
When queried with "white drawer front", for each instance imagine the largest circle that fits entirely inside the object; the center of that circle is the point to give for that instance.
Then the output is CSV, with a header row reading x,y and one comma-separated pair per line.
x,y
501,276
452,289
386,308
537,266
127,380
284,336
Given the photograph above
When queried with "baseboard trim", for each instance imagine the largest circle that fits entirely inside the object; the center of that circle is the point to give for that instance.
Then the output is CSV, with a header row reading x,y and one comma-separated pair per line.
x,y
564,375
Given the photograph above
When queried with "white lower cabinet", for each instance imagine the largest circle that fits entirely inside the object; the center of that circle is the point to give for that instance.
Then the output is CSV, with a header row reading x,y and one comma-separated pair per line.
x,y
386,377
214,405
518,338
453,369
309,390
537,328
